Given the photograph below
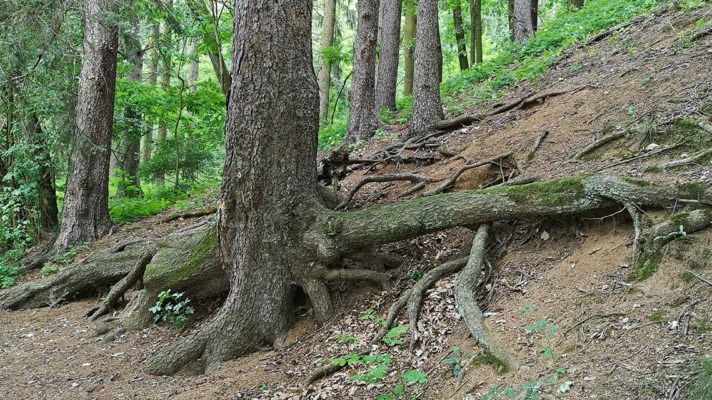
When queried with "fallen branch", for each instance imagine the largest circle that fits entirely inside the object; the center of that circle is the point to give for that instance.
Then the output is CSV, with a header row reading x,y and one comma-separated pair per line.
x,y
418,181
450,182
190,214
590,317
597,144
537,144
646,155
687,161
700,278
329,369
123,285
466,299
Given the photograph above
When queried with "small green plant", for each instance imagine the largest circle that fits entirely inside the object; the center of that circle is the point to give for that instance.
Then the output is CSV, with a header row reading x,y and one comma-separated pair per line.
x,y
455,359
372,315
49,269
173,308
702,384
393,337
348,339
400,391
8,275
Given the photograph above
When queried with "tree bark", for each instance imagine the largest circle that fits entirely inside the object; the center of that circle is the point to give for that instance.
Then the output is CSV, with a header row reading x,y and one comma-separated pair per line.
x,y
166,42
410,12
264,205
427,107
147,140
363,118
327,41
476,31
460,36
85,216
535,14
576,4
510,18
389,39
522,23
131,142
46,189
194,66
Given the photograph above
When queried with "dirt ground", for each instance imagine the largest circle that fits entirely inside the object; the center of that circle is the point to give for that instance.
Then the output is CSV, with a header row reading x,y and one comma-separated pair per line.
x,y
558,298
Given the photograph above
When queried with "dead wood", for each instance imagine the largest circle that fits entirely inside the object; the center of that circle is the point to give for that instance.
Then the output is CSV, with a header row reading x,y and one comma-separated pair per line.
x,y
646,155
537,144
451,181
417,180
687,161
597,144
190,214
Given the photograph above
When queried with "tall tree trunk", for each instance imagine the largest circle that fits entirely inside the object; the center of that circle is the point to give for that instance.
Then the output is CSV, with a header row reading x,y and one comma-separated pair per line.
x,y
131,142
460,36
194,66
166,43
410,12
523,25
389,39
327,41
363,119
510,17
535,15
147,140
427,107
476,31
211,39
85,215
45,185
265,206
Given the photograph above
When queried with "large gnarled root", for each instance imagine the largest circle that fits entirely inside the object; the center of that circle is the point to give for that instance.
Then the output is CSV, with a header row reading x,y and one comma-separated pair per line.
x,y
466,299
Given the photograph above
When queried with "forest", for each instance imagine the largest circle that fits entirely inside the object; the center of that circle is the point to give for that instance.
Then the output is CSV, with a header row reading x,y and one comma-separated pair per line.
x,y
377,199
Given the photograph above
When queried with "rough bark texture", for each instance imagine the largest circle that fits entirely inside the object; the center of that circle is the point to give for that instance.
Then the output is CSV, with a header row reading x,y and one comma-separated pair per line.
x,y
166,42
85,216
131,142
460,37
363,119
523,27
535,14
410,13
327,40
194,66
475,31
272,114
46,189
389,39
427,107
147,139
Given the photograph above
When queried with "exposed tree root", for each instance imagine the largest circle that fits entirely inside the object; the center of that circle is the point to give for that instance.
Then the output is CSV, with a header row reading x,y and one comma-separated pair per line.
x,y
451,181
466,299
646,155
123,285
687,161
413,297
417,180
598,144
537,143
635,216
190,214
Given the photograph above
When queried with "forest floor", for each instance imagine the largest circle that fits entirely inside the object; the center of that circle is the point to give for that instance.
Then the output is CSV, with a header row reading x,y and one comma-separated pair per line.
x,y
559,297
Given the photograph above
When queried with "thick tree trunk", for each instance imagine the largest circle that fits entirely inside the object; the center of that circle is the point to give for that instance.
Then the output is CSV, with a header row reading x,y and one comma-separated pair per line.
x,y
131,142
265,205
410,13
389,40
363,119
45,185
522,23
476,31
427,107
147,140
85,216
460,36
327,41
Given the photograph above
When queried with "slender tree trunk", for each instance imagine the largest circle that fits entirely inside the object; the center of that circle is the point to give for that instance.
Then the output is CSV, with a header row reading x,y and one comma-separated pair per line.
x,y
45,185
194,66
389,39
363,119
147,140
410,12
131,142
522,22
510,18
265,206
460,37
85,216
327,41
427,107
576,4
535,15
476,31
166,66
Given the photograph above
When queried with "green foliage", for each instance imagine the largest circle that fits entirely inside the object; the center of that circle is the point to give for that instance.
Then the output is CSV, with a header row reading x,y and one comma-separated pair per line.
x,y
8,274
702,385
393,337
172,308
456,359
348,339
372,315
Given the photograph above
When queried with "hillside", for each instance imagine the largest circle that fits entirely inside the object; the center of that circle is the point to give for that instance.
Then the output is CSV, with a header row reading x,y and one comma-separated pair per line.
x,y
560,296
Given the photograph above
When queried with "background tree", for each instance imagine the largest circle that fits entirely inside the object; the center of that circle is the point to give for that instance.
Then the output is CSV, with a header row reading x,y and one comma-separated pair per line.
x,y
410,11
427,106
460,35
523,25
389,41
476,31
147,141
85,215
326,57
363,119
